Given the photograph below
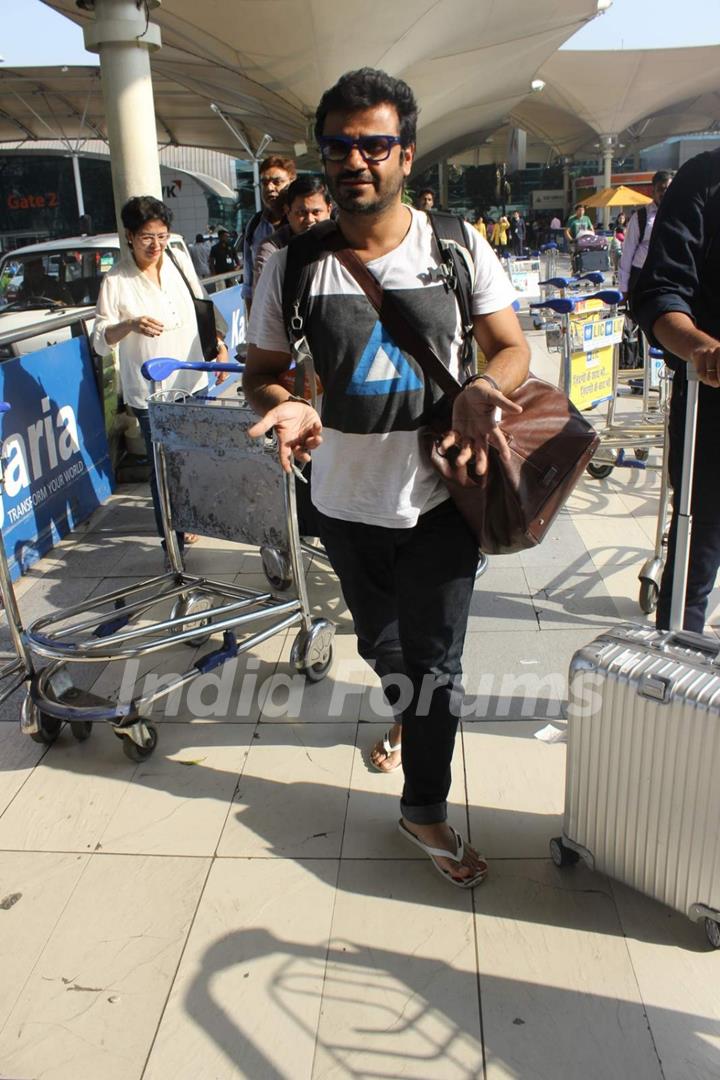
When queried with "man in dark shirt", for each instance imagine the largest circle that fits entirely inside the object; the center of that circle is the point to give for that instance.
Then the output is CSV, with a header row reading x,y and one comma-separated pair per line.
x,y
676,303
223,257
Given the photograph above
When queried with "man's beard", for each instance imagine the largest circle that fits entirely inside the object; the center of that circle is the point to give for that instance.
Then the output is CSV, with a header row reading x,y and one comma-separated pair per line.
x,y
384,193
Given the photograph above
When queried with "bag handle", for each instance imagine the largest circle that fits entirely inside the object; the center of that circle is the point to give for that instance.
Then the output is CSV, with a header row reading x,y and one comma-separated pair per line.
x,y
404,334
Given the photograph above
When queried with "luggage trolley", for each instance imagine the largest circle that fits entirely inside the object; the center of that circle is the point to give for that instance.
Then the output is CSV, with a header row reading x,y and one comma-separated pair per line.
x,y
18,669
582,334
197,440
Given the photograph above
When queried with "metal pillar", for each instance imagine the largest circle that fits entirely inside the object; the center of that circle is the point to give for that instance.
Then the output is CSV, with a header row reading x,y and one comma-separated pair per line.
x,y
607,142
255,155
124,41
443,188
566,187
78,185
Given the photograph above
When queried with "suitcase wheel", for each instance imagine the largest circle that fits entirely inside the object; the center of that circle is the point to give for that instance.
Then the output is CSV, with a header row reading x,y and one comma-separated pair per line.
x,y
712,932
562,855
649,595
599,471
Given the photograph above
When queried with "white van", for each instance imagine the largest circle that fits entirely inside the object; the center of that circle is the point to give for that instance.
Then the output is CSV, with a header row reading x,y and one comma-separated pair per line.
x,y
57,277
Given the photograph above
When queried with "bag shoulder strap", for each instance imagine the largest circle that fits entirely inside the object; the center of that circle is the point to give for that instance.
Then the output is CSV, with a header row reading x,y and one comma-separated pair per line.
x,y
181,272
403,332
304,252
252,226
459,269
642,222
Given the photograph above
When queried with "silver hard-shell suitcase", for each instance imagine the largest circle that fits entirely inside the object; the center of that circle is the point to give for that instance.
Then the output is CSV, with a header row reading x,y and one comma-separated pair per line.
x,y
642,788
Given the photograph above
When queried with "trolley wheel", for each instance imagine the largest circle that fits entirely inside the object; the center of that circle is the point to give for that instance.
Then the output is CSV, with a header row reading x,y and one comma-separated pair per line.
x,y
712,932
48,726
191,604
482,565
562,855
276,568
81,729
598,471
312,650
649,593
140,753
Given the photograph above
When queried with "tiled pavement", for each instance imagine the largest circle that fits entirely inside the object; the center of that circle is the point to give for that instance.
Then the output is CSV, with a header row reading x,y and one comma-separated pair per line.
x,y
240,905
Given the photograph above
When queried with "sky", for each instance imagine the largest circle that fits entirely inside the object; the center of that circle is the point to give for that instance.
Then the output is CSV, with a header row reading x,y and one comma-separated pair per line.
x,y
629,24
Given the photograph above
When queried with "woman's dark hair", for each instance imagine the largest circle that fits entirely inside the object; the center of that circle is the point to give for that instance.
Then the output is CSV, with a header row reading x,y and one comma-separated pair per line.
x,y
364,89
141,209
304,186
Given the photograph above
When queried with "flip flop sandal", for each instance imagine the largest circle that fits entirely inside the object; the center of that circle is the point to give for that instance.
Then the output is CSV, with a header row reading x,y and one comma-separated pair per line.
x,y
456,856
389,749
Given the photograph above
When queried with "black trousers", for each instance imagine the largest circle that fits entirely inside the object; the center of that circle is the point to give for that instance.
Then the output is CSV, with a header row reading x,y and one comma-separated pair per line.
x,y
705,538
409,593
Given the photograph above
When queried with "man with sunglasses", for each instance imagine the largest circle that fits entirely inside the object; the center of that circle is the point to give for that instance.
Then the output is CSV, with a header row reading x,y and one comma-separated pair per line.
x,y
405,558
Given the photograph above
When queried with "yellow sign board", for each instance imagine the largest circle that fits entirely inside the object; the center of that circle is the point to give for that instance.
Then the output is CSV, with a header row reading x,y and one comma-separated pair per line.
x,y
591,377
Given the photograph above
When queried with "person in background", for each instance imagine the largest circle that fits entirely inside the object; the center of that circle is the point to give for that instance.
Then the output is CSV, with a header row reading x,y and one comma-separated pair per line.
x,y
518,232
306,202
223,257
481,226
146,310
200,255
499,238
675,301
276,174
578,222
637,236
425,199
620,226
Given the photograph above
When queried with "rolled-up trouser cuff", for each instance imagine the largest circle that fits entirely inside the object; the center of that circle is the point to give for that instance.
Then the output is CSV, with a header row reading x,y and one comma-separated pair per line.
x,y
425,815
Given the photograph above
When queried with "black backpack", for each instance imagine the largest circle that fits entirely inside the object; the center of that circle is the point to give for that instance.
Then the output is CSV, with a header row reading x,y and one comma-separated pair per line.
x,y
305,251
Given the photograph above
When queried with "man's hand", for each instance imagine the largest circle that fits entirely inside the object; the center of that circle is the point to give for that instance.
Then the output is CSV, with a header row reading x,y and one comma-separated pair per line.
x,y
475,426
706,361
221,358
143,324
298,429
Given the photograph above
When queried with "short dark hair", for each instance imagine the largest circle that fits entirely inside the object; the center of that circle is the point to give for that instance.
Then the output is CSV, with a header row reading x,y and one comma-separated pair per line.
x,y
199,238
276,162
141,209
579,204
304,186
425,191
364,89
662,176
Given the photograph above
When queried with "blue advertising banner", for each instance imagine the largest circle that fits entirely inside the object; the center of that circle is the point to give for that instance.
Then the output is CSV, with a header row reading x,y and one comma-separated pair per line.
x,y
56,460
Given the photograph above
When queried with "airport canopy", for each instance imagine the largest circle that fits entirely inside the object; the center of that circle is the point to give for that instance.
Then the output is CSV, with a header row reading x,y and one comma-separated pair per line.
x,y
267,64
641,95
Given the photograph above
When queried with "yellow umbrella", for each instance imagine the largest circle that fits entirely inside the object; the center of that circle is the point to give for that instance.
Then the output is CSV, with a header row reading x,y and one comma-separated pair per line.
x,y
617,196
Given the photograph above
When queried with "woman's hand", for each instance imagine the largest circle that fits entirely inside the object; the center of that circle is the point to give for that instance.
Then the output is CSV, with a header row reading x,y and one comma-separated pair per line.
x,y
147,326
221,358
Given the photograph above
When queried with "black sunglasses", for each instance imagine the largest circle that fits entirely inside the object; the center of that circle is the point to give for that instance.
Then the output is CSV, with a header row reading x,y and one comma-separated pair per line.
x,y
373,148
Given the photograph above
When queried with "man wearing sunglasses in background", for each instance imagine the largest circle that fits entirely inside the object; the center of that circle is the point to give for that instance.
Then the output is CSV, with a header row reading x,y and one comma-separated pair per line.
x,y
276,174
405,558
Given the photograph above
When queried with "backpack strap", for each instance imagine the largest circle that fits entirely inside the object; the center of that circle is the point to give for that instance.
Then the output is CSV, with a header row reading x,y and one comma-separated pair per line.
x,y
642,222
458,271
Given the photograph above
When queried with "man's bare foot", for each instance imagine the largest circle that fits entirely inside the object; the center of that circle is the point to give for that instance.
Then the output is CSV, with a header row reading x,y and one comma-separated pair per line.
x,y
442,837
383,755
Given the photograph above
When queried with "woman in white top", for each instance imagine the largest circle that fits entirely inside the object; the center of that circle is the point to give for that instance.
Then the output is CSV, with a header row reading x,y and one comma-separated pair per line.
x,y
145,308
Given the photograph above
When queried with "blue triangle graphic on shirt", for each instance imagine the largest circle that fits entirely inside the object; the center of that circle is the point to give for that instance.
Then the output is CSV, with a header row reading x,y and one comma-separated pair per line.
x,y
382,368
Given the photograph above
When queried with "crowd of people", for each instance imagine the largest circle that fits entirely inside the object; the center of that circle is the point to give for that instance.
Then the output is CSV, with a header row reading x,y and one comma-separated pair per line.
x,y
384,514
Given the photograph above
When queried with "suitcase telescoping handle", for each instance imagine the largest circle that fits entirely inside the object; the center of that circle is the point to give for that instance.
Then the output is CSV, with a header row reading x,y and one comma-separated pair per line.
x,y
684,515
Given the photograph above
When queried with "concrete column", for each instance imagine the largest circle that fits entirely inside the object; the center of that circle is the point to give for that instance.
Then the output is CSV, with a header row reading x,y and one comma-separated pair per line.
x,y
256,183
124,43
607,142
566,186
443,192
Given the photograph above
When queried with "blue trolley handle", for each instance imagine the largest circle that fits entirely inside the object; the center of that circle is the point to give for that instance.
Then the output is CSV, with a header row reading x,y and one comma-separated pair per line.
x,y
160,367
4,406
561,305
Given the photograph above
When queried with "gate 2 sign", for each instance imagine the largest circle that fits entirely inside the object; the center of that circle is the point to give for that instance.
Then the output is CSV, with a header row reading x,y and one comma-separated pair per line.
x,y
56,461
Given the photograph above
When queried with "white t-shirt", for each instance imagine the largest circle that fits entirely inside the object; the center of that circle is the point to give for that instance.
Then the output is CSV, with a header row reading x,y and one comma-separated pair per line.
x,y
127,293
377,403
